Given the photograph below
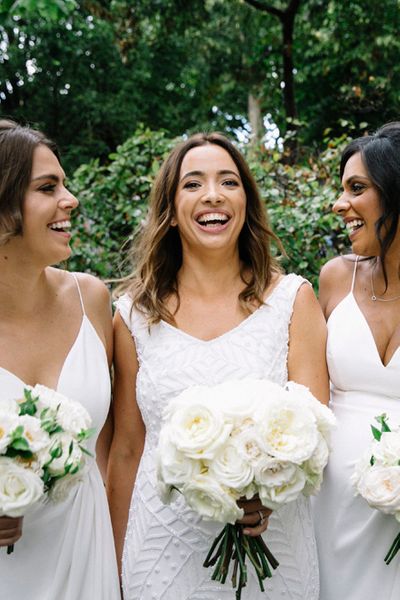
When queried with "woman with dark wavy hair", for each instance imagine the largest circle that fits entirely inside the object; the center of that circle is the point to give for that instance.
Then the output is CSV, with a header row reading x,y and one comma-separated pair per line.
x,y
55,330
360,296
206,303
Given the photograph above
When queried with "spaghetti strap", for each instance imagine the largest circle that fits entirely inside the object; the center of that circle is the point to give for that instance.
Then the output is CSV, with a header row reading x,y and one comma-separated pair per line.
x,y
79,292
354,274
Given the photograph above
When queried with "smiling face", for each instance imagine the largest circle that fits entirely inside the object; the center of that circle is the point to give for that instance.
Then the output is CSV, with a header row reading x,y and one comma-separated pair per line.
x,y
360,208
210,201
46,211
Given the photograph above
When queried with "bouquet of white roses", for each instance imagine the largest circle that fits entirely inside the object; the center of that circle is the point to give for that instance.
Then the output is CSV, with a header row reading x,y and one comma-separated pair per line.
x,y
237,440
377,475
41,451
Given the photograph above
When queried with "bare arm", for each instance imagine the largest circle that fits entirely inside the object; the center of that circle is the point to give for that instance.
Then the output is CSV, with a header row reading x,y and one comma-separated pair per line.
x,y
129,433
307,345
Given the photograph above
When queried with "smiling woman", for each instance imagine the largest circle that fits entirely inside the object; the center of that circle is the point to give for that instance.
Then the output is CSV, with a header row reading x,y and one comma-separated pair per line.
x,y
206,303
55,330
360,296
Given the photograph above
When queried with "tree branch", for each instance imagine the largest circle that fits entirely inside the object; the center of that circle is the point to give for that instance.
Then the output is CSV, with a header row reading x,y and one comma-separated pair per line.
x,y
267,8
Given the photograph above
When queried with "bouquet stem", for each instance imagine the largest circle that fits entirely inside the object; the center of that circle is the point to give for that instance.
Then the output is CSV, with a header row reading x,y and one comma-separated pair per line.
x,y
394,548
232,544
10,549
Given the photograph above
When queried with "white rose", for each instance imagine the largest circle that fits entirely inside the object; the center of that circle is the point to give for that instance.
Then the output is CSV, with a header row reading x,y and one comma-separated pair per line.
x,y
212,501
237,400
197,427
71,415
19,488
61,488
315,466
387,450
70,455
326,420
274,497
380,486
173,467
8,424
230,469
33,433
249,445
9,406
288,429
272,473
361,467
46,397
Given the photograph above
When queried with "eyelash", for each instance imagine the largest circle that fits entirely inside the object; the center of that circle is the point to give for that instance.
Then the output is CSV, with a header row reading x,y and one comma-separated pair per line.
x,y
49,187
195,184
357,188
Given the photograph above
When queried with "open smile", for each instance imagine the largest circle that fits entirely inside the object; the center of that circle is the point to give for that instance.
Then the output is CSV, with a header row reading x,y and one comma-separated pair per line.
x,y
213,221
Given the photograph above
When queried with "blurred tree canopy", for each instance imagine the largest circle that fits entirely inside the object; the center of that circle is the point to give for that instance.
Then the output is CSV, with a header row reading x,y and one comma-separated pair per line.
x,y
90,72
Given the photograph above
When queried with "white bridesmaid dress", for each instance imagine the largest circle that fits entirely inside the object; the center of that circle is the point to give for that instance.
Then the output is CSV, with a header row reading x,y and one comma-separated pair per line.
x,y
352,538
66,551
165,546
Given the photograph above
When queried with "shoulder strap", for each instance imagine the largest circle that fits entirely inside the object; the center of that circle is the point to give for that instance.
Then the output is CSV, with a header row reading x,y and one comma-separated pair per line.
x,y
79,292
354,274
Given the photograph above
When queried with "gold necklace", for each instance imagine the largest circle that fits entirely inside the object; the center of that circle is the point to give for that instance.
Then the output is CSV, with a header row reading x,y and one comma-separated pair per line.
x,y
375,298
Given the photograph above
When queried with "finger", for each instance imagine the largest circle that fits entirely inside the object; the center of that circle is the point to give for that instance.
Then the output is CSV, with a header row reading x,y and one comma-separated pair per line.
x,y
257,529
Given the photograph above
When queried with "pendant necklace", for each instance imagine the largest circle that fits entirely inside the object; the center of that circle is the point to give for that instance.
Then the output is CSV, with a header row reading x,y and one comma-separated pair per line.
x,y
375,298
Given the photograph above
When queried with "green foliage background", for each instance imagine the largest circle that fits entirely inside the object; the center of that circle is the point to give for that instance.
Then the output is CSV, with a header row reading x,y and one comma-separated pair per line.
x,y
113,203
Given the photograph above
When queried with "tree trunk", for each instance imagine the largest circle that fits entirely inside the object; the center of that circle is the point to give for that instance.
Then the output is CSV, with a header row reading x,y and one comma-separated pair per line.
x,y
255,119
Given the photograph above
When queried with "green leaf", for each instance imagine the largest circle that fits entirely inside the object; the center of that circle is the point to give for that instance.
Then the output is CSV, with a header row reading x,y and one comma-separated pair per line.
x,y
376,433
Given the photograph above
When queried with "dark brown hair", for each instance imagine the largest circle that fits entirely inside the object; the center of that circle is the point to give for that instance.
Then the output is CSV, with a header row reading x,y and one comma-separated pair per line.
x,y
156,252
380,153
17,145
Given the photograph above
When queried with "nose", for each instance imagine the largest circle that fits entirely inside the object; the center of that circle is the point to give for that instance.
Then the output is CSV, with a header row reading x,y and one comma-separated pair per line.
x,y
341,205
68,200
211,194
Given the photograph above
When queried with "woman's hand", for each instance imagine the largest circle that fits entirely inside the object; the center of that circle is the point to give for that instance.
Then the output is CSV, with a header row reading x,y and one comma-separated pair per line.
x,y
255,516
10,530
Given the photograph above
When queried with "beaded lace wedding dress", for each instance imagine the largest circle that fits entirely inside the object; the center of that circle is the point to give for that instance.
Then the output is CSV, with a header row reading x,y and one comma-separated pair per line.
x,y
165,546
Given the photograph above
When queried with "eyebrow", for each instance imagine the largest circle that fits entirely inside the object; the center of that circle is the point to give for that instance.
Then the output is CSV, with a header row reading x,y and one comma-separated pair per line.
x,y
50,176
202,173
352,177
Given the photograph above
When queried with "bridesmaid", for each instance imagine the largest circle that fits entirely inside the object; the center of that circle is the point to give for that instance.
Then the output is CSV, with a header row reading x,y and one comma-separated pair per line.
x,y
360,296
55,329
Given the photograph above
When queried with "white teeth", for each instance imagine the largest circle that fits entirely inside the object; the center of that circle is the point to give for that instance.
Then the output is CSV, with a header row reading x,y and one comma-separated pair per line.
x,y
206,218
60,225
355,224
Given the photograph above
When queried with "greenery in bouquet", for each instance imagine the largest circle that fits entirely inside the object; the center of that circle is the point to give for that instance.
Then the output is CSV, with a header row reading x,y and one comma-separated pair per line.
x,y
41,448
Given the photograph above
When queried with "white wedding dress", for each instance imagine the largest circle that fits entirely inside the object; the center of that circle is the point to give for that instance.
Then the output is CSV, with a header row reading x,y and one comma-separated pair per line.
x,y
66,551
165,546
353,538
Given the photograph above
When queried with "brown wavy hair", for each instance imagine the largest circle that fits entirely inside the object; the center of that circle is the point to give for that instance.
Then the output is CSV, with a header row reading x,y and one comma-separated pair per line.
x,y
17,145
156,251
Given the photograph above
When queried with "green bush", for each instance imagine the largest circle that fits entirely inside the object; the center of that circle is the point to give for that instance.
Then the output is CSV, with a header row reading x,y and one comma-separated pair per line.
x,y
114,198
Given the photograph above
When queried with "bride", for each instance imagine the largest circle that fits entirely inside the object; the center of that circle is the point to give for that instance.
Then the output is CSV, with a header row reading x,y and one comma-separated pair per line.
x,y
205,303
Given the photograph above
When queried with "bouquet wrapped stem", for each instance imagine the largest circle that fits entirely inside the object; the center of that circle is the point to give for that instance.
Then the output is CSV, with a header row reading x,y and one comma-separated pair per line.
x,y
232,545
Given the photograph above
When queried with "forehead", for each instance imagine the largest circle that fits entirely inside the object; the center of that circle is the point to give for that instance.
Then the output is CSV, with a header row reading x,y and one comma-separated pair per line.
x,y
208,158
44,161
355,166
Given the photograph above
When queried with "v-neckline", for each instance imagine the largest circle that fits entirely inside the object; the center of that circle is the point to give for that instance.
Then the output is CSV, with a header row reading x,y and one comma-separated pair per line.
x,y
63,364
371,335
229,331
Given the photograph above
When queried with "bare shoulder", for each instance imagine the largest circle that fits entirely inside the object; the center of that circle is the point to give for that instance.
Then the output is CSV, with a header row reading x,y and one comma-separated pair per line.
x,y
335,281
95,293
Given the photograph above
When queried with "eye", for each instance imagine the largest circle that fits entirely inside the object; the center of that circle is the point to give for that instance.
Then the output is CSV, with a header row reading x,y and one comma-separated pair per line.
x,y
230,183
48,187
357,188
191,185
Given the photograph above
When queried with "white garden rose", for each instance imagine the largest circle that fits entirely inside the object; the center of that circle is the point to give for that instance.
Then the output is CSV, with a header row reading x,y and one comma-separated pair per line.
x,y
380,486
46,397
249,445
71,415
274,497
9,406
20,488
174,468
230,469
197,428
288,433
273,473
387,450
315,466
212,501
70,454
33,433
326,420
8,424
237,400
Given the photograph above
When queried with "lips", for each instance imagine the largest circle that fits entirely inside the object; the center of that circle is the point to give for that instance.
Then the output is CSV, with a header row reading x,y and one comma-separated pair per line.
x,y
60,225
212,220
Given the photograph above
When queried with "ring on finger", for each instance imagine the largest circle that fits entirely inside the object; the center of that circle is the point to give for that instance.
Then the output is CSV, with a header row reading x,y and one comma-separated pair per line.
x,y
262,517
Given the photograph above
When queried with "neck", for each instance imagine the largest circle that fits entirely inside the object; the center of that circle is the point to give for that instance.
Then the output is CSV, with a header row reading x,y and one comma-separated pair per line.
x,y
21,284
210,275
379,289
